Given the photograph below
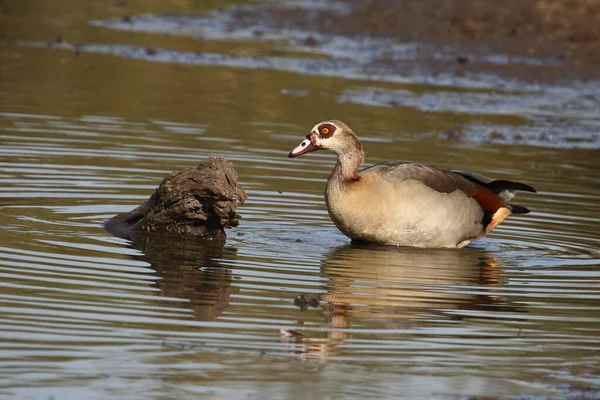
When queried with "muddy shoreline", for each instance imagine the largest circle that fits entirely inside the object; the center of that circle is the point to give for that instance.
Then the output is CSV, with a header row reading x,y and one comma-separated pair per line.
x,y
557,40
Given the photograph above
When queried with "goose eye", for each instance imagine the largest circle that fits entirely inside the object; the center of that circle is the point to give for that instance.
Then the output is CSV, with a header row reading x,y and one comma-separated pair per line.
x,y
325,130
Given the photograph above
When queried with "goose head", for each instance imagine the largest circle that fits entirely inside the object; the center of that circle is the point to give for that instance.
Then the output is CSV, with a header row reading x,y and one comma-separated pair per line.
x,y
331,135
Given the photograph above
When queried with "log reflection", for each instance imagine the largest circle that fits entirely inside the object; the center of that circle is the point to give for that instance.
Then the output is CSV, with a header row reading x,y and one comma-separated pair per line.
x,y
190,270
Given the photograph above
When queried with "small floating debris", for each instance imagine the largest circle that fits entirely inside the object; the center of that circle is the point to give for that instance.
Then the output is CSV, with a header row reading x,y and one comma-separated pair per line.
x,y
311,41
452,134
462,59
288,333
295,92
496,135
61,42
303,302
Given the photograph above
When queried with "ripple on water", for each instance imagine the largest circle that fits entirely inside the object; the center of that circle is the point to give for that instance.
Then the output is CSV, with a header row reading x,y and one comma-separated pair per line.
x,y
88,313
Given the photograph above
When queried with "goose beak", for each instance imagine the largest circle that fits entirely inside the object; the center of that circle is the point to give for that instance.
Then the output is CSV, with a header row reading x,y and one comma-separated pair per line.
x,y
305,147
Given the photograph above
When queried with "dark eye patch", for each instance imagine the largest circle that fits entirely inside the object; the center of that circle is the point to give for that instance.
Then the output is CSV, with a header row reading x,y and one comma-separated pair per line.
x,y
326,130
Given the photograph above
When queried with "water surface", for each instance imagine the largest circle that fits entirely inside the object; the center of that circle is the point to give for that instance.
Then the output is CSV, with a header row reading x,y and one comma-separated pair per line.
x,y
286,308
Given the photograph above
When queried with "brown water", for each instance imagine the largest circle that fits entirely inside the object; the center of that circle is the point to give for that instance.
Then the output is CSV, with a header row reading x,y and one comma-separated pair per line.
x,y
287,308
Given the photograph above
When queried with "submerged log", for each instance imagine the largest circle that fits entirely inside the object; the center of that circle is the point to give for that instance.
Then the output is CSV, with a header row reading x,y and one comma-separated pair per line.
x,y
196,202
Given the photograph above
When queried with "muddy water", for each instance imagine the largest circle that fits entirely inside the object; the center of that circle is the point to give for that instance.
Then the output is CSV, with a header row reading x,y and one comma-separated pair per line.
x,y
286,308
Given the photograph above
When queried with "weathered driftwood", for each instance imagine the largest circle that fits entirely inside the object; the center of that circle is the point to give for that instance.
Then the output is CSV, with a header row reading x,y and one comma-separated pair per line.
x,y
196,202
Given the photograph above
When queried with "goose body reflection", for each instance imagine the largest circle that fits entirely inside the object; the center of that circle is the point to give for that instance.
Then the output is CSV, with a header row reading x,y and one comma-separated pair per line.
x,y
407,286
400,291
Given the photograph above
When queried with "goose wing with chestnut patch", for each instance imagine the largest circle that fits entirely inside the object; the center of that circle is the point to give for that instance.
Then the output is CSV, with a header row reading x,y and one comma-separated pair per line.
x,y
441,181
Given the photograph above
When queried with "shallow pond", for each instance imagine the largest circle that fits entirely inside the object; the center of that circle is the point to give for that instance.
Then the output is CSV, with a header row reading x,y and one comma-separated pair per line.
x,y
286,308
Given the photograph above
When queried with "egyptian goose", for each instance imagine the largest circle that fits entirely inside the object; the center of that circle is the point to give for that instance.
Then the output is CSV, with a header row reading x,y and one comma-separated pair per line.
x,y
404,203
